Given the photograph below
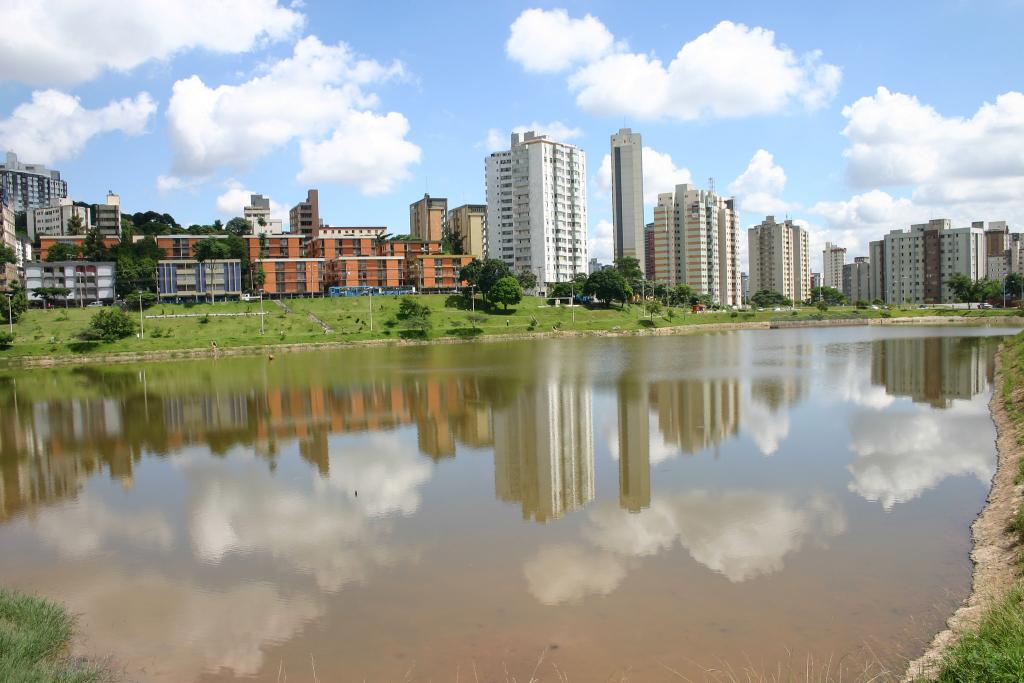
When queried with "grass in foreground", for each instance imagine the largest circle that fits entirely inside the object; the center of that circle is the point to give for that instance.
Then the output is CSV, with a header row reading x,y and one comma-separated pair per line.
x,y
34,638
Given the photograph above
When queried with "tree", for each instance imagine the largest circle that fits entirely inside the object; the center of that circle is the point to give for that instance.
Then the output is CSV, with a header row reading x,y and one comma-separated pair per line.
x,y
609,285
76,226
491,271
830,295
109,324
414,316
475,319
970,291
629,267
7,254
61,251
131,301
682,295
17,305
1014,285
654,307
527,279
6,340
48,294
470,273
769,299
134,274
506,291
238,226
93,248
211,249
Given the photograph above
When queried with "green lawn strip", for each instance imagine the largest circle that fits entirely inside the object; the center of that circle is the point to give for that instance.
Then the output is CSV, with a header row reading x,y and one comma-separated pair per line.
x,y
55,332
34,638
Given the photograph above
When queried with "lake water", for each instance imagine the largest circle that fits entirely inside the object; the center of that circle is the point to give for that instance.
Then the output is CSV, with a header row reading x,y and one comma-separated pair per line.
x,y
614,509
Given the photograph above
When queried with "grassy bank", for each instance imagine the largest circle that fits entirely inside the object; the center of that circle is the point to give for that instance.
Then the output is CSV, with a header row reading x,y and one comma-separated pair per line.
x,y
55,332
34,639
994,649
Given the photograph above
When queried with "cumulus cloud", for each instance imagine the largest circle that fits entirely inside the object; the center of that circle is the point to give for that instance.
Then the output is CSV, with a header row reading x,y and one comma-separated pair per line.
x,y
601,242
550,40
497,139
173,183
660,175
89,526
54,125
77,41
759,187
569,573
316,96
236,197
731,71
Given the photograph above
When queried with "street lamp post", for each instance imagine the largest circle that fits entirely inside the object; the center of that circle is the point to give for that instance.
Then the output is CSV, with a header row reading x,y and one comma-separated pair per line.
x,y
371,309
261,313
10,312
142,322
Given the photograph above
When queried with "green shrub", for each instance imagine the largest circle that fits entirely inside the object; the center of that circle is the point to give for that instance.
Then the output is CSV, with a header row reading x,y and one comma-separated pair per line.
x,y
109,325
6,340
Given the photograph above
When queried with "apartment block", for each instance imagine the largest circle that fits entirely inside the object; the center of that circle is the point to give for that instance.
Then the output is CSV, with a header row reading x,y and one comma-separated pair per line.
x,y
367,271
291,275
257,212
706,244
9,238
997,236
857,280
180,246
745,288
275,246
468,225
107,216
438,272
427,218
55,219
628,195
779,258
833,259
86,281
30,186
919,262
877,272
537,207
191,279
46,243
304,217
661,253
345,241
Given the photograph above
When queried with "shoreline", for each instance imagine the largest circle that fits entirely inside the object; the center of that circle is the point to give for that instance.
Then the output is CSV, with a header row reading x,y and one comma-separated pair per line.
x,y
995,548
26,362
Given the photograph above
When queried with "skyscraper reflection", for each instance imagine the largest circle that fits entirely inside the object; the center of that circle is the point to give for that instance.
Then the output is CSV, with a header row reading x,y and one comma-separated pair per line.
x,y
933,370
634,446
696,414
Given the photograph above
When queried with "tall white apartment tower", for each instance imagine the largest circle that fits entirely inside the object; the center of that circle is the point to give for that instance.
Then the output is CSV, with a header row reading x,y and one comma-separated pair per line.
x,y
706,243
537,207
779,259
833,259
628,195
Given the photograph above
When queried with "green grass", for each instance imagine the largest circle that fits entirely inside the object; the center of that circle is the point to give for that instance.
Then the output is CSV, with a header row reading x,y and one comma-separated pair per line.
x,y
54,332
993,652
34,637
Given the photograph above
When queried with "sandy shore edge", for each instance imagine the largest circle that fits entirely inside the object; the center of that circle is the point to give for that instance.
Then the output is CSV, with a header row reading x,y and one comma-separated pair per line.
x,y
178,354
995,548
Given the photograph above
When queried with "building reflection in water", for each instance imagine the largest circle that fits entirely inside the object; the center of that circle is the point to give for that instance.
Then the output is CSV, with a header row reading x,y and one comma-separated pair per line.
x,y
634,446
933,370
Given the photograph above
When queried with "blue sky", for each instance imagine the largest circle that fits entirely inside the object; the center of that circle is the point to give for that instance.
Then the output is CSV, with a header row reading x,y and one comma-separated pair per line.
x,y
184,106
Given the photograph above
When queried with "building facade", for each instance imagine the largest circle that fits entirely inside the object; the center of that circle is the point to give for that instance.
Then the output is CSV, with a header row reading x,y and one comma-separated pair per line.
x,y
107,216
661,258
877,271
77,241
537,207
191,279
304,217
258,214
427,218
291,276
467,224
919,262
57,219
706,244
438,272
86,281
628,195
30,186
833,258
857,280
779,259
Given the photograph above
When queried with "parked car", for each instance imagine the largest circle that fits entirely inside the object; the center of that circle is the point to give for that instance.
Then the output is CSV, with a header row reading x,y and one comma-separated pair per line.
x,y
984,305
94,304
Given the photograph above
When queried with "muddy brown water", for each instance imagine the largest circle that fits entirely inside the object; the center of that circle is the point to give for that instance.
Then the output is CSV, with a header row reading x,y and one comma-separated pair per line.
x,y
614,509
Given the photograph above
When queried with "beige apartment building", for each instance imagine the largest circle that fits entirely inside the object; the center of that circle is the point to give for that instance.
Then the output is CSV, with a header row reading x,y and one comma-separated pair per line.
x,y
427,217
707,244
468,223
662,265
833,259
779,255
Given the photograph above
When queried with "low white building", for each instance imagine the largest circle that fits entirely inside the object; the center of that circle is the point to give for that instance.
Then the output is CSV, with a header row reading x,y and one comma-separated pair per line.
x,y
258,215
86,281
53,220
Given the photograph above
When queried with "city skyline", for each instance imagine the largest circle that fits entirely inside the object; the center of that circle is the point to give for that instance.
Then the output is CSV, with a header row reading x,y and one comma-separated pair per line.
x,y
153,120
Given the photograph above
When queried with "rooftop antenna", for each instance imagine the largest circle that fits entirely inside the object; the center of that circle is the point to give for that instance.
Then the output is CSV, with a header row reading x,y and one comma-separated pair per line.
x,y
711,184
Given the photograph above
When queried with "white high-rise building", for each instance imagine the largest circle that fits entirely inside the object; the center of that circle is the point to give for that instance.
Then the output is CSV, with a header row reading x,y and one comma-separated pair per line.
x,y
833,259
54,219
706,244
258,215
537,207
779,255
628,195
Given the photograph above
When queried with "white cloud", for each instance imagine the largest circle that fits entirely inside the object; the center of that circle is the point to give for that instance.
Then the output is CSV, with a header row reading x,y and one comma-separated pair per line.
x,y
173,183
88,526
237,196
549,40
368,150
660,175
759,187
569,573
601,242
497,139
55,126
317,97
75,41
731,71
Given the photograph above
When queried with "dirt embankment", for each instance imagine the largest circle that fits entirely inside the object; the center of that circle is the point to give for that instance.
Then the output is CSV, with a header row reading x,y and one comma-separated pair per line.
x,y
995,546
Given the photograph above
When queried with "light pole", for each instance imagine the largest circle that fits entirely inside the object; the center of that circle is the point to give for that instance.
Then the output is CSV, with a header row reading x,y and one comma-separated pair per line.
x,y
572,300
142,322
261,313
371,309
10,312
